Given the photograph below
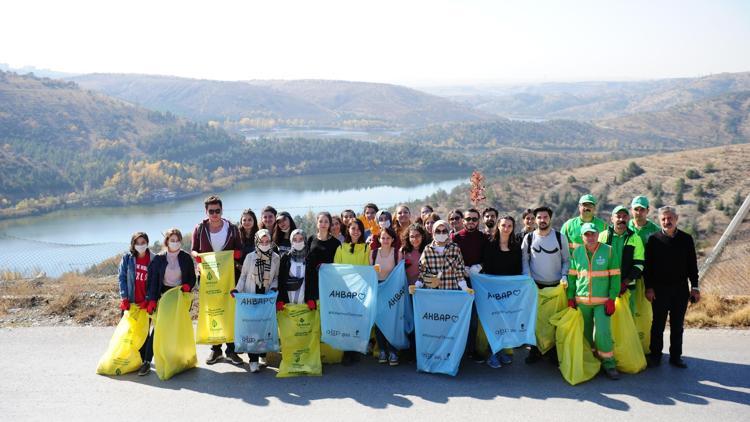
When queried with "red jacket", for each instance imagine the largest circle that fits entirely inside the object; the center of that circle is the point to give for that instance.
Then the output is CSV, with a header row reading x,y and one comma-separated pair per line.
x,y
202,239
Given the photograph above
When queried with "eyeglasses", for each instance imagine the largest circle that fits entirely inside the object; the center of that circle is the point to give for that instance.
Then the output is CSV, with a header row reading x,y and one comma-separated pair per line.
x,y
455,218
441,231
473,219
214,211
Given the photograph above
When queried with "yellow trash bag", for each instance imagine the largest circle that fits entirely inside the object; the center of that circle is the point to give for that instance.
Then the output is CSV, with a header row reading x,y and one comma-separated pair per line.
x,y
577,362
643,315
551,300
628,351
481,345
299,332
122,355
174,339
216,306
329,355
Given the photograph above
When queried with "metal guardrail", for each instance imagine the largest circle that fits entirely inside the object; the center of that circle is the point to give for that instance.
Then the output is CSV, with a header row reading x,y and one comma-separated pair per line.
x,y
725,237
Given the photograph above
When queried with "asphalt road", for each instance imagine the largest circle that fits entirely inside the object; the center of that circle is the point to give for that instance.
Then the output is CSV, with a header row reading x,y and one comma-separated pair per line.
x,y
48,374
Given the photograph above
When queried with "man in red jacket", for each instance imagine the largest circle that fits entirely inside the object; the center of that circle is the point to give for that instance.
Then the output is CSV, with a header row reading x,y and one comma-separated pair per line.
x,y
215,234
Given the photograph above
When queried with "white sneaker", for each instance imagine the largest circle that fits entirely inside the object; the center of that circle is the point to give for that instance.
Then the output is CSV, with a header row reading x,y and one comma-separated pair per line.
x,y
254,367
262,361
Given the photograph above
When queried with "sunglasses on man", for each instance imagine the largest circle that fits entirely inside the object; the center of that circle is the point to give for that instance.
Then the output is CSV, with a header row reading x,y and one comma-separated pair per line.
x,y
471,219
212,211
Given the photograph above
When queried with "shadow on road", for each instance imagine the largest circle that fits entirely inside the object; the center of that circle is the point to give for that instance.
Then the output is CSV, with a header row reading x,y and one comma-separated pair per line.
x,y
380,386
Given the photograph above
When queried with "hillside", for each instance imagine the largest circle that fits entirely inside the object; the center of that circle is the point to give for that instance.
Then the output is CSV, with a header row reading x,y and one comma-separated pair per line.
x,y
594,100
61,146
282,103
723,119
708,202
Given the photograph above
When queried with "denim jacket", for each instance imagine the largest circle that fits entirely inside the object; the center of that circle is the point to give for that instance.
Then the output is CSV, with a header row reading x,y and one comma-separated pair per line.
x,y
126,275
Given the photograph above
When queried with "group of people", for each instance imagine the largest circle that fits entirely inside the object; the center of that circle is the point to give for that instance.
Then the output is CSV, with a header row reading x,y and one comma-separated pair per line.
x,y
594,259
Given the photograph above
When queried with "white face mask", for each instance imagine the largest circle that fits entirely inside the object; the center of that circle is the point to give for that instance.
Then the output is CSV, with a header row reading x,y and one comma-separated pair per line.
x,y
298,246
442,237
141,248
264,248
384,224
174,246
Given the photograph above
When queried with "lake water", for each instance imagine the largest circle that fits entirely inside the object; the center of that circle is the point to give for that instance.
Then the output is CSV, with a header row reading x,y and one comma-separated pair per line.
x,y
78,238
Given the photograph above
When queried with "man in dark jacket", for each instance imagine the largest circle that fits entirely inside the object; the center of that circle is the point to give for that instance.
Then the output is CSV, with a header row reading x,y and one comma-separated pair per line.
x,y
670,263
215,234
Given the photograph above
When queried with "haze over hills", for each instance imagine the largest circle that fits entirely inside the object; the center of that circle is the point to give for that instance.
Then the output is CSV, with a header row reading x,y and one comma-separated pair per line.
x,y
593,100
291,103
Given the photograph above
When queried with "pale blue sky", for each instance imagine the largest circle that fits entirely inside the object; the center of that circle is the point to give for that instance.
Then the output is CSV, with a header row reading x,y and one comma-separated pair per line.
x,y
411,42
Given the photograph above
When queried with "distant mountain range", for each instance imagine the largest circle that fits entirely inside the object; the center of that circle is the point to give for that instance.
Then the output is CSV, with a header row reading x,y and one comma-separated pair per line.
x,y
301,103
593,100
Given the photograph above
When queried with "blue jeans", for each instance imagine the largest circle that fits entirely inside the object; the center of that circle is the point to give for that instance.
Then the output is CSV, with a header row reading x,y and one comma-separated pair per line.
x,y
383,343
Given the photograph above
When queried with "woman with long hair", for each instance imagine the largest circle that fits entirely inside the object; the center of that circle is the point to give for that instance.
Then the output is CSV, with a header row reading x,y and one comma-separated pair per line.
x,y
401,220
384,258
171,268
502,256
337,228
247,227
322,249
282,231
133,279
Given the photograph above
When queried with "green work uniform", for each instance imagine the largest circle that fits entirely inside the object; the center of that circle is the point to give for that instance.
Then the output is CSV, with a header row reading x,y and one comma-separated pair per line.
x,y
594,278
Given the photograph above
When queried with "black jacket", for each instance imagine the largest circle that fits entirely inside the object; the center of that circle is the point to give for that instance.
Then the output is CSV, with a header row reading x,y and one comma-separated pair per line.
x,y
670,262
157,268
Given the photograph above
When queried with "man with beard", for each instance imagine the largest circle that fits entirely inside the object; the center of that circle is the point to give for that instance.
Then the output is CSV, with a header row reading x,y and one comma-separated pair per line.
x,y
489,217
587,214
472,243
627,246
546,259
670,262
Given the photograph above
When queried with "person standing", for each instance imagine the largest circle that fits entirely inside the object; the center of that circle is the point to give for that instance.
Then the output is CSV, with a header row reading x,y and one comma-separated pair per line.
x,y
626,247
639,223
489,218
337,228
133,280
545,258
260,273
347,216
424,212
268,218
502,256
529,224
586,214
322,248
428,221
472,243
368,221
292,272
281,233
216,234
171,268
593,286
354,250
384,219
402,221
248,227
456,220
384,258
441,265
670,263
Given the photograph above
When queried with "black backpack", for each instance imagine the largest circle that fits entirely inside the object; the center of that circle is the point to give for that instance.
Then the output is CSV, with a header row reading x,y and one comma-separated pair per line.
x,y
530,239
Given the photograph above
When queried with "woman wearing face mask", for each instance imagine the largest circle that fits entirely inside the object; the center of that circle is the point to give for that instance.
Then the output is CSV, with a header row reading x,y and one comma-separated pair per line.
x,y
384,219
384,258
133,278
281,232
502,256
441,265
402,221
292,269
248,226
337,228
171,268
322,248
259,276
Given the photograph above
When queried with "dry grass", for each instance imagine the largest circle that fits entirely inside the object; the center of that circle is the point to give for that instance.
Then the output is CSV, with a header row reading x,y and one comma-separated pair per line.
x,y
719,311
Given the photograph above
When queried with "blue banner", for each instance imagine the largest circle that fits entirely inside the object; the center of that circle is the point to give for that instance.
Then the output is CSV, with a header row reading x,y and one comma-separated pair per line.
x,y
255,327
441,323
348,303
506,306
393,297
